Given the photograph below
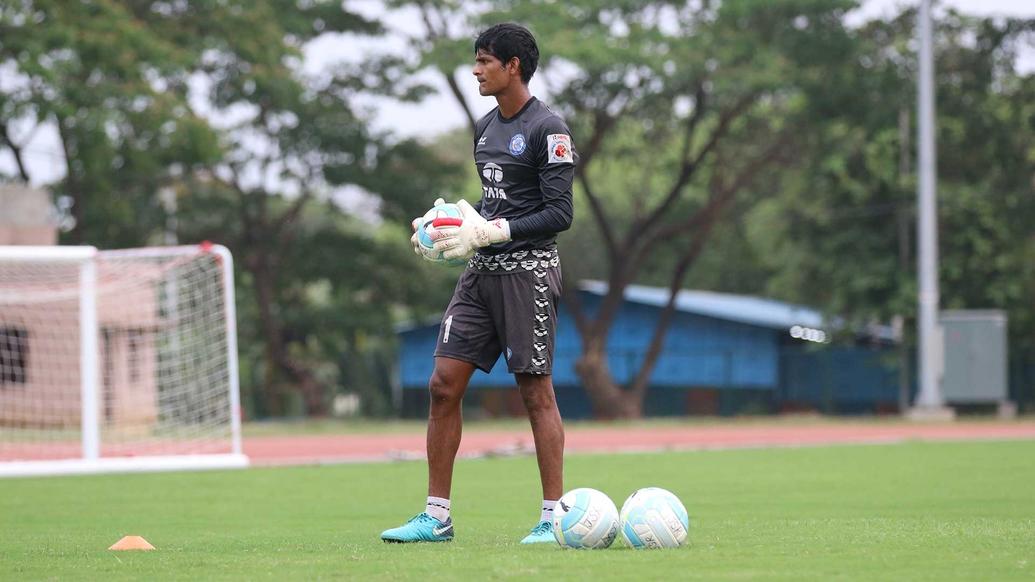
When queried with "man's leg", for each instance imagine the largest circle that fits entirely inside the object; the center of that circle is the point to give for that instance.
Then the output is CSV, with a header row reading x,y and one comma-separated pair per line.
x,y
447,386
527,315
445,421
547,430
548,434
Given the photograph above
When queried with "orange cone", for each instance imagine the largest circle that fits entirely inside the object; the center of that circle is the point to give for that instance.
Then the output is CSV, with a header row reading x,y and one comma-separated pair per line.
x,y
132,543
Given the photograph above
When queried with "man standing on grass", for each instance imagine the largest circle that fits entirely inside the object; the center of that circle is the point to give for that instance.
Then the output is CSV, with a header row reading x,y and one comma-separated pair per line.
x,y
505,301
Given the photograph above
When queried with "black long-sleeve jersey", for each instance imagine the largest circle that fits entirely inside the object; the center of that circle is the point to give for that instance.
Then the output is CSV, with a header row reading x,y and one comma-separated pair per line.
x,y
527,165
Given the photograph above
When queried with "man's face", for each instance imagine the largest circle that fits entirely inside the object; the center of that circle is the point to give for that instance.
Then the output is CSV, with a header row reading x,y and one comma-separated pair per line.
x,y
493,77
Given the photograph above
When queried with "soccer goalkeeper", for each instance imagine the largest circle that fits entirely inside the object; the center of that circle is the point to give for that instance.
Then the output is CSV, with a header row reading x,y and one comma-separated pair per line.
x,y
506,300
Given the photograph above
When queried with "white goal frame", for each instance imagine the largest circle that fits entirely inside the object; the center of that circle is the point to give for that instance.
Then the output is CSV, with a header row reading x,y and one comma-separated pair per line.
x,y
91,460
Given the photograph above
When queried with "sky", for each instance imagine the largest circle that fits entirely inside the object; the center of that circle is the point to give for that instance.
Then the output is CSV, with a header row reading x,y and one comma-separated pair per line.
x,y
439,113
413,120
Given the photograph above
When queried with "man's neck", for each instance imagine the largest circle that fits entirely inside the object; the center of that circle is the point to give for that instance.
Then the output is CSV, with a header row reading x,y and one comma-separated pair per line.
x,y
511,102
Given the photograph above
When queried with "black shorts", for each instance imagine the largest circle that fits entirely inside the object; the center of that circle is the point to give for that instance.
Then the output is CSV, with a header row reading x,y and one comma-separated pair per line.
x,y
513,313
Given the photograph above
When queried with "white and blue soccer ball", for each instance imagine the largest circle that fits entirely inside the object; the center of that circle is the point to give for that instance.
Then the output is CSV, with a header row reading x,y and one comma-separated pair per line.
x,y
654,518
426,226
585,518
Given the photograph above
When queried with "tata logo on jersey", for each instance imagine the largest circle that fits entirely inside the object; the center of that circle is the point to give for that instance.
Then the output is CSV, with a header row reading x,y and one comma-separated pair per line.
x,y
493,173
490,192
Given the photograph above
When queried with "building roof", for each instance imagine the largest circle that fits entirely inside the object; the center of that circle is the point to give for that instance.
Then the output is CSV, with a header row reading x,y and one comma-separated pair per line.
x,y
747,309
740,308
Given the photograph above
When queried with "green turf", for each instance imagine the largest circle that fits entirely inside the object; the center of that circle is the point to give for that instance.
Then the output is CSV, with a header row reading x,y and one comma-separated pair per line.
x,y
963,511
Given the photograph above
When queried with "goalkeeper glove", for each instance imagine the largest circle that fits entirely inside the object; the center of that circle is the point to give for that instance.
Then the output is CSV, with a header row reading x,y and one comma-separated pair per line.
x,y
415,224
475,232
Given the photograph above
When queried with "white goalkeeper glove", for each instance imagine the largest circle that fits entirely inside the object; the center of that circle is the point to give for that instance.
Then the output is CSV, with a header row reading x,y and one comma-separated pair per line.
x,y
415,224
475,232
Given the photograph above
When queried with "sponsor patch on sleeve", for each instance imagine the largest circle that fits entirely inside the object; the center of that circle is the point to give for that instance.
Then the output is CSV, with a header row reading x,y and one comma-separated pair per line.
x,y
558,148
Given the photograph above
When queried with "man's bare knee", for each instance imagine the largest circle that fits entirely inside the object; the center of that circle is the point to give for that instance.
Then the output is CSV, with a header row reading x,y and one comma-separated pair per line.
x,y
538,397
444,390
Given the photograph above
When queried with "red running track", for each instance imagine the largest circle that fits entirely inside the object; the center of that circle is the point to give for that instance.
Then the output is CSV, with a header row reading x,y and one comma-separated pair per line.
x,y
290,450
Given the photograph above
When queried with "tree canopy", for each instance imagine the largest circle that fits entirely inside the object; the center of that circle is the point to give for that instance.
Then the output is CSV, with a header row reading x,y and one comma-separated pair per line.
x,y
740,146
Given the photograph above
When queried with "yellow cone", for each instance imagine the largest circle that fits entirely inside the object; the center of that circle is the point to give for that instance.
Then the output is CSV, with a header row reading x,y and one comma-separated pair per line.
x,y
132,543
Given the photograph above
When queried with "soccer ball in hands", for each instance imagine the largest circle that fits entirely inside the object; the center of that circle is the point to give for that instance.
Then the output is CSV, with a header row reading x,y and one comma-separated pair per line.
x,y
441,216
654,518
585,518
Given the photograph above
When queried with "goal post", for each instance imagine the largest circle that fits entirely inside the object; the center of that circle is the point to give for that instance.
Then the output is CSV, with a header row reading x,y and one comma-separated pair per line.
x,y
118,361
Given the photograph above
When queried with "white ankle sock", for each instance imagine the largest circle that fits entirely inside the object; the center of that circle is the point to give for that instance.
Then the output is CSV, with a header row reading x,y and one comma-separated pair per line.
x,y
438,508
547,514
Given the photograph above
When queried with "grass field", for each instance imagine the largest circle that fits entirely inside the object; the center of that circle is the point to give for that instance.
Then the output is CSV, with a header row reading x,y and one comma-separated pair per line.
x,y
952,511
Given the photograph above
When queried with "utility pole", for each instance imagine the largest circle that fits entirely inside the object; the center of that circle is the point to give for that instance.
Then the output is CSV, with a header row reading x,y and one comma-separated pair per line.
x,y
929,402
167,198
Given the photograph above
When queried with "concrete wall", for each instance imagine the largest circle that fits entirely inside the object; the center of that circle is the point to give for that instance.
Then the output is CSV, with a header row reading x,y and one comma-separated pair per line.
x,y
41,314
26,216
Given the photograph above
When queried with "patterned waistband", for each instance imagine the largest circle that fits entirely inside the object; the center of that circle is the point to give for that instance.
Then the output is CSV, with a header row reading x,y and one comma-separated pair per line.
x,y
516,261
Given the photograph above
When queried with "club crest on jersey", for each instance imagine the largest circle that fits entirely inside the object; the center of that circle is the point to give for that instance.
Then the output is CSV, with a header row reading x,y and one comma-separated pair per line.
x,y
517,145
558,146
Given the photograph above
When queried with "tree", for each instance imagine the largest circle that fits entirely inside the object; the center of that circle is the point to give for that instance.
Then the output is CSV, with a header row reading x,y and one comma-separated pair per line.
x,y
208,99
296,143
846,215
111,79
702,98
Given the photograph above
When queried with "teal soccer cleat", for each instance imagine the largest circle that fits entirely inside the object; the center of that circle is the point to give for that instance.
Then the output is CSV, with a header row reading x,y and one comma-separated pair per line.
x,y
420,528
542,533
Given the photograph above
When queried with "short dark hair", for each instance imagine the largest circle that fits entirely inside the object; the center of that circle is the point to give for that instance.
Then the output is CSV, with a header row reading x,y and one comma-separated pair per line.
x,y
508,40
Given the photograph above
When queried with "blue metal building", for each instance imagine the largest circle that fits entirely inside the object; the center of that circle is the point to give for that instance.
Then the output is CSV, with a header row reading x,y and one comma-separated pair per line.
x,y
723,353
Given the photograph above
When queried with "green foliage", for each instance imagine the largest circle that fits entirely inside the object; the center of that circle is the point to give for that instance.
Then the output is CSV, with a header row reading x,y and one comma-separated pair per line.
x,y
208,99
327,282
677,111
646,87
671,103
840,229
111,77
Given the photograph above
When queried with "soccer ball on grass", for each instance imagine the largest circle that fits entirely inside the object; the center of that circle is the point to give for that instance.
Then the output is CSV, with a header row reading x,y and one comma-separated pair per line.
x,y
585,518
654,518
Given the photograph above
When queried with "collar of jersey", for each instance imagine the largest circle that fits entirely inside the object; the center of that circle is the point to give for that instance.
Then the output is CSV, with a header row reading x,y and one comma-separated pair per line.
x,y
499,114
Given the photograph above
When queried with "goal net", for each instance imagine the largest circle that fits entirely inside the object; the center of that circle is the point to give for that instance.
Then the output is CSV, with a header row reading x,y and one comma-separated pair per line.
x,y
117,360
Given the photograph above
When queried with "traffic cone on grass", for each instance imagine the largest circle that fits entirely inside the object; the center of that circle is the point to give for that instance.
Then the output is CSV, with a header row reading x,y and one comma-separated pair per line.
x,y
132,543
